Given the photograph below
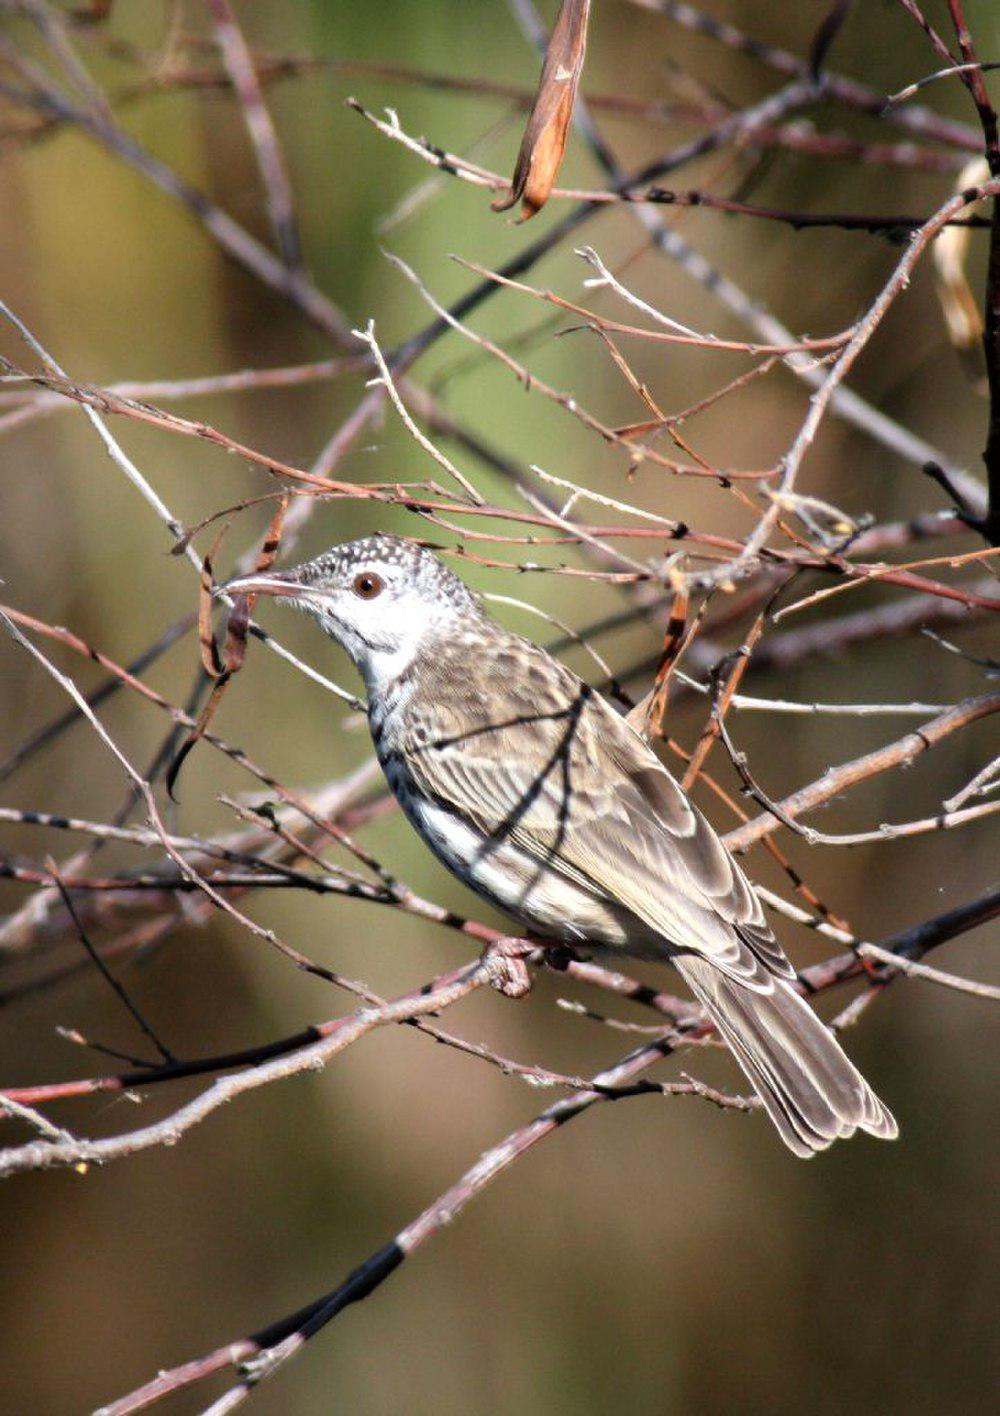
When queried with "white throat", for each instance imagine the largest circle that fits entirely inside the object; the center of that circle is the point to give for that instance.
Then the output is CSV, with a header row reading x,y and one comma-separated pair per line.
x,y
382,669
385,652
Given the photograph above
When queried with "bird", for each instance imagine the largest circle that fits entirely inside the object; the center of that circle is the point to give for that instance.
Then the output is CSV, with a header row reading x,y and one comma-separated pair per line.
x,y
535,792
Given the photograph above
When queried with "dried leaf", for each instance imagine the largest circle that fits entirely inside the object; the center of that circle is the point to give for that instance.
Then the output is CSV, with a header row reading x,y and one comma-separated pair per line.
x,y
222,667
674,639
962,316
211,661
544,141
646,718
727,676
196,733
239,617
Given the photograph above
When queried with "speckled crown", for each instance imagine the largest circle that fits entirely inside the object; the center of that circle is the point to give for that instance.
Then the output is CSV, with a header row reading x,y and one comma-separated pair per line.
x,y
420,567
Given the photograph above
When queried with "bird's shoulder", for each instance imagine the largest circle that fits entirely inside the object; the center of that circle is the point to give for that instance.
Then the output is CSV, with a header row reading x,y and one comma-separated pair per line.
x,y
490,677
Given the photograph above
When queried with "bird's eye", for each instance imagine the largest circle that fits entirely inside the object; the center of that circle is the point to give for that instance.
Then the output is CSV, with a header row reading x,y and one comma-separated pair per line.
x,y
367,585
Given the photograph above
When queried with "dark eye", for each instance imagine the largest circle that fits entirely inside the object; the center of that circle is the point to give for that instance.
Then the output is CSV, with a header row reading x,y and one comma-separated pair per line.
x,y
367,585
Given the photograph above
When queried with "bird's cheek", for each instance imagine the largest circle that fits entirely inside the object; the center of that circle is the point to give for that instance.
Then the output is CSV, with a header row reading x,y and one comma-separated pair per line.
x,y
339,616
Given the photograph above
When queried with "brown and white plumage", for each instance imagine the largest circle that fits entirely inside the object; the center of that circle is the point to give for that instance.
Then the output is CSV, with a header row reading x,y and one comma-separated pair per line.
x,y
532,790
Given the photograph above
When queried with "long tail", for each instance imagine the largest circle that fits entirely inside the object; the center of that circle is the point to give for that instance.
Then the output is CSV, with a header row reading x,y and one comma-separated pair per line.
x,y
813,1092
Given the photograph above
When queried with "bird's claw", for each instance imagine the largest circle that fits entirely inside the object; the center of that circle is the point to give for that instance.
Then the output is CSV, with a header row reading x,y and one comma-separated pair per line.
x,y
506,968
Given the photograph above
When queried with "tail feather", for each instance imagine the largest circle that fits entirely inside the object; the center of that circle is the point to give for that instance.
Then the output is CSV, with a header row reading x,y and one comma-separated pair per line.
x,y
811,1089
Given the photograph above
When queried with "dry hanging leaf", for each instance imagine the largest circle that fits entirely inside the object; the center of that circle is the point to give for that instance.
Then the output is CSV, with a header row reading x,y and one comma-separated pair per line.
x,y
239,615
674,640
544,141
211,660
962,316
647,715
221,667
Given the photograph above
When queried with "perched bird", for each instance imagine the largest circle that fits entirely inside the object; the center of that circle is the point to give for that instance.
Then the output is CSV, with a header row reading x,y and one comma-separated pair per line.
x,y
536,793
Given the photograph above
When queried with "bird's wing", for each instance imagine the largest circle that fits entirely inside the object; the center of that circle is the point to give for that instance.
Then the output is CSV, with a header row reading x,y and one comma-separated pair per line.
x,y
556,771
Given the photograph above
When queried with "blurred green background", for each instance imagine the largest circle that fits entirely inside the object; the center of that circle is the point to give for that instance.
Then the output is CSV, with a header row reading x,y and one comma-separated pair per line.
x,y
656,1256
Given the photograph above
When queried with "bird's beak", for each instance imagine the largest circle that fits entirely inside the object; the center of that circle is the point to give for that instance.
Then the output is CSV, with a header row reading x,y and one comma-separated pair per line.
x,y
271,582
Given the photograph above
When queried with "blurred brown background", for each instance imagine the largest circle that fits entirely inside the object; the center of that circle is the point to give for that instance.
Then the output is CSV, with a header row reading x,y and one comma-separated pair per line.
x,y
657,1256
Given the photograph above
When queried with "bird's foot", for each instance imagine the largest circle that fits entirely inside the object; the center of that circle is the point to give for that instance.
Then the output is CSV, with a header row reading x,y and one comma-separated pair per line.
x,y
505,961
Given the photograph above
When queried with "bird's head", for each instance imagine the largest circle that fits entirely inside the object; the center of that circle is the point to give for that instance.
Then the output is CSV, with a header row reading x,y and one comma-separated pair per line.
x,y
384,599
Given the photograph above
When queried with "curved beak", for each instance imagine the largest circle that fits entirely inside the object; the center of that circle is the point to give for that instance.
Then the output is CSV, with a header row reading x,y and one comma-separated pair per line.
x,y
269,582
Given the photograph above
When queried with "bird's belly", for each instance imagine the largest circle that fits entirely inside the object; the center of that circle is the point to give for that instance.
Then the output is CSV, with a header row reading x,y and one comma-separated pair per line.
x,y
509,878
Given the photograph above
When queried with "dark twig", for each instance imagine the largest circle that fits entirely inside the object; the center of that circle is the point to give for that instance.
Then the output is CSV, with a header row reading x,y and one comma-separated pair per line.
x,y
102,968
